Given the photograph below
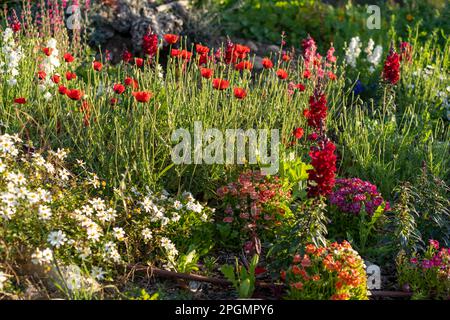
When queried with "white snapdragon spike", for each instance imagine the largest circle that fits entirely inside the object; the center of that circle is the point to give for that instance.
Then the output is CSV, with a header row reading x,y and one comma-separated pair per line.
x,y
376,56
51,63
12,57
353,51
370,45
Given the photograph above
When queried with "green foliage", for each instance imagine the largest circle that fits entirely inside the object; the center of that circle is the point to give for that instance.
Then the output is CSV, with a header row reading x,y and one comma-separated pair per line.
x,y
243,279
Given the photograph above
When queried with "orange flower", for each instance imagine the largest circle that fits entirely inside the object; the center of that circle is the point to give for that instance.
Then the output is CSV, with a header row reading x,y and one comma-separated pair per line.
x,y
310,248
340,296
316,277
282,74
47,51
296,270
171,38
244,65
267,63
297,258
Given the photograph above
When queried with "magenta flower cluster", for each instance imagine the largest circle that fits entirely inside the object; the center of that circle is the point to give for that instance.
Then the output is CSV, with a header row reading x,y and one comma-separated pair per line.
x,y
436,257
353,194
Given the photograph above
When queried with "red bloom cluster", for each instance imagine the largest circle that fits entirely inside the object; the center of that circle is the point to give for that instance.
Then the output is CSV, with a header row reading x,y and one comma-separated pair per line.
x,y
321,179
317,111
150,44
405,52
391,70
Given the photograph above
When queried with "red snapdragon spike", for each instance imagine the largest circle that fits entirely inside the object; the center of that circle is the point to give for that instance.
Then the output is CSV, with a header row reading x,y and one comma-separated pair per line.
x,y
220,84
317,111
267,63
282,74
130,82
243,65
16,26
119,88
206,72
41,75
70,76
68,58
150,44
142,96
47,51
322,177
203,59
97,65
330,55
240,93
74,94
406,52
298,133
62,90
127,56
171,38
20,100
56,78
313,136
139,62
202,50
391,70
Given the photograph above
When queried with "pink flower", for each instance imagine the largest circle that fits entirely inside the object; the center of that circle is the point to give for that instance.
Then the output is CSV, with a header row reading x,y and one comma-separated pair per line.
x,y
434,243
228,219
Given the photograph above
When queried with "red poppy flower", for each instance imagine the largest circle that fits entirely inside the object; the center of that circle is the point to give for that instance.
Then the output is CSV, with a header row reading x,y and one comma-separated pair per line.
x,y
56,78
68,58
75,94
127,56
47,51
186,55
139,62
331,75
70,76
119,88
240,93
267,63
300,87
20,100
206,73
282,74
202,50
174,53
220,84
113,101
203,59
285,57
240,51
142,96
171,38
130,82
244,65
307,74
41,75
97,65
298,133
62,90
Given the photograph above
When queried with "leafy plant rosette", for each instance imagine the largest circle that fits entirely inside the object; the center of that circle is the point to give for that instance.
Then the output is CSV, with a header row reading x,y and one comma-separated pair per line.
x,y
335,272
253,207
427,275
